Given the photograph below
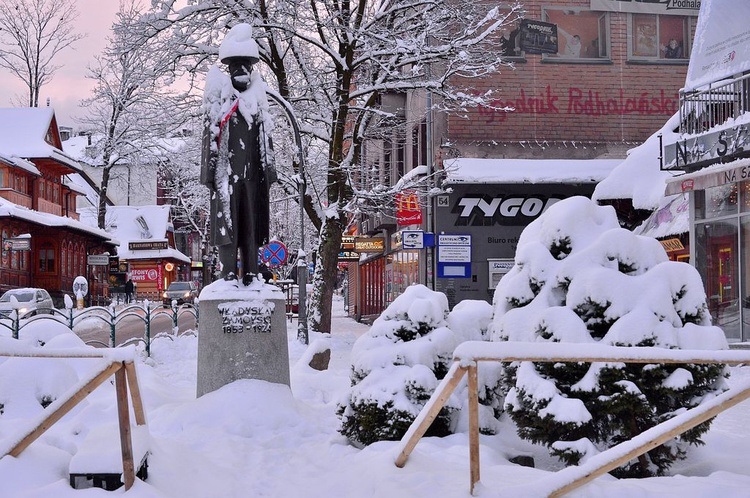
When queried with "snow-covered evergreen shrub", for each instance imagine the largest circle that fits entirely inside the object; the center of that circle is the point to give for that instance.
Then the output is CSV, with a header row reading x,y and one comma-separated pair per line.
x,y
580,278
397,365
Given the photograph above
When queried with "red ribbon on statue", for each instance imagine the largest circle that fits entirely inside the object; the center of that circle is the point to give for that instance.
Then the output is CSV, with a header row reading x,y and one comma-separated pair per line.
x,y
226,118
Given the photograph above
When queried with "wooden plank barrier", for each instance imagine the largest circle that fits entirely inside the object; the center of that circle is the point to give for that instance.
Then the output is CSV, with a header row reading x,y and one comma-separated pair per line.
x,y
121,365
469,354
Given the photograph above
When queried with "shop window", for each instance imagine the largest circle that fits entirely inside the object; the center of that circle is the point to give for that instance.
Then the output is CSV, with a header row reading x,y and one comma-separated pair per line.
x,y
46,257
582,34
659,38
717,262
718,201
745,268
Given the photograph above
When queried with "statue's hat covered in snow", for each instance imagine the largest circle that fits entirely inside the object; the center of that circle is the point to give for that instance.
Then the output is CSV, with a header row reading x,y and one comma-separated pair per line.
x,y
239,44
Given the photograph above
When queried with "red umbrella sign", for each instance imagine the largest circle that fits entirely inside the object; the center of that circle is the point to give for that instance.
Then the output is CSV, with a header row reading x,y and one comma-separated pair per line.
x,y
274,254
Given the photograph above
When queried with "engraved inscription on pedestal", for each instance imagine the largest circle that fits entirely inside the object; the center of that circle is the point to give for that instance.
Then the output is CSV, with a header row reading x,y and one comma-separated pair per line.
x,y
242,336
237,318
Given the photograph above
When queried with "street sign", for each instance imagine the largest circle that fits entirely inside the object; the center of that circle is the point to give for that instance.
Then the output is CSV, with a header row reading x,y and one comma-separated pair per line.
x,y
412,239
454,256
274,254
97,259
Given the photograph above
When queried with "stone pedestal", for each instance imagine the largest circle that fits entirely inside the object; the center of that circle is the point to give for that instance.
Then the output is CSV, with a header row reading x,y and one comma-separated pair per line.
x,y
241,335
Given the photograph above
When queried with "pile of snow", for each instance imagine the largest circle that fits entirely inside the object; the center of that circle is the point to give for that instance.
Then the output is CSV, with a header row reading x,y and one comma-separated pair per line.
x,y
252,438
639,177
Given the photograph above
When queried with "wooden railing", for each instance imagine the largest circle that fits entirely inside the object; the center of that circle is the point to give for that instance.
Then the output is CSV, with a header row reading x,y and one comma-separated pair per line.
x,y
50,207
118,362
469,354
16,197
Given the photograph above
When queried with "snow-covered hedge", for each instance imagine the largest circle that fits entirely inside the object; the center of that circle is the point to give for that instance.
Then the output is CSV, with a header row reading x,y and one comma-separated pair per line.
x,y
580,278
397,365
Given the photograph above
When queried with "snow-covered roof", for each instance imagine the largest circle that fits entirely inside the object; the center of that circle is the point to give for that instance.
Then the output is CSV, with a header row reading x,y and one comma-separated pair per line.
x,y
23,131
142,223
472,170
76,147
8,209
639,176
20,163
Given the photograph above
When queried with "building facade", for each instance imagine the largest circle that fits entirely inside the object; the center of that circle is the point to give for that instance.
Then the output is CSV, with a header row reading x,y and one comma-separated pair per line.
x,y
608,78
43,242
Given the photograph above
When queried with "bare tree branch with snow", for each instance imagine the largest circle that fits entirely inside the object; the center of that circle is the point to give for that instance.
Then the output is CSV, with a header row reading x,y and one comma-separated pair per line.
x,y
32,34
333,61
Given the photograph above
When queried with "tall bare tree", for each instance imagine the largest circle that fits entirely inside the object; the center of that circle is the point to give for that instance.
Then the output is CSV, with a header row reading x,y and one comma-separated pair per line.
x,y
133,108
32,34
333,61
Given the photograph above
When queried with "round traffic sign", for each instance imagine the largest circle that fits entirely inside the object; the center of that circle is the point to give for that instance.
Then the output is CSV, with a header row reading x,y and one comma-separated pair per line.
x,y
274,254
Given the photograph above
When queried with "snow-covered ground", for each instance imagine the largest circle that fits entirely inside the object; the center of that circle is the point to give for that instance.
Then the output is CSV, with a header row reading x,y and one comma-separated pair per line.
x,y
255,439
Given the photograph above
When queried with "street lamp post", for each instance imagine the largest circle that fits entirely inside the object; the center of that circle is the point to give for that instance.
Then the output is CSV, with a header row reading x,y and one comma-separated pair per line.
x,y
302,333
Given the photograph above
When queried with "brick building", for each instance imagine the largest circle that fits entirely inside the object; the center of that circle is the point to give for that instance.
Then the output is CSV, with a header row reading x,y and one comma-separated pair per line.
x,y
589,80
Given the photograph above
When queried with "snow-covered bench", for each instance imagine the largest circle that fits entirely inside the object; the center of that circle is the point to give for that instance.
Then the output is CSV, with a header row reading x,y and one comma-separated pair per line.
x,y
98,462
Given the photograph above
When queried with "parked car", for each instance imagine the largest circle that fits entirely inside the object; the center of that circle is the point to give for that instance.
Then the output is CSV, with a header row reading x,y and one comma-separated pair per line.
x,y
292,298
29,300
182,292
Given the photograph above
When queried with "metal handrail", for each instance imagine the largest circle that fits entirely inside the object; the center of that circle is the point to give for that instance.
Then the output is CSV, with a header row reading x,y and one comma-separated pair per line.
x,y
702,109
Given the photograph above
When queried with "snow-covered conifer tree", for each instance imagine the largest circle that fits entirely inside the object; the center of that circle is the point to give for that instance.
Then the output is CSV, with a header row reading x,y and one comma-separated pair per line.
x,y
397,365
580,278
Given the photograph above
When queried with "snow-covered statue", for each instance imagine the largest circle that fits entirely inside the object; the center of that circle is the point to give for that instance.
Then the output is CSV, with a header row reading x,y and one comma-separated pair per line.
x,y
237,158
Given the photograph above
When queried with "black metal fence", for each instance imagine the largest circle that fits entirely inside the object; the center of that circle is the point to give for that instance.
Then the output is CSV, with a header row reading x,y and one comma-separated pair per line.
x,y
112,316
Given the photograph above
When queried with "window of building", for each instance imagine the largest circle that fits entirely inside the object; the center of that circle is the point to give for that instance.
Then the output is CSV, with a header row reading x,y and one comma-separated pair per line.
x,y
46,257
717,201
659,38
3,175
5,254
716,261
582,34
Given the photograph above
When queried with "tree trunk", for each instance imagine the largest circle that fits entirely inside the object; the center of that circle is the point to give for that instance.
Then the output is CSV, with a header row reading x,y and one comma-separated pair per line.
x,y
101,212
325,274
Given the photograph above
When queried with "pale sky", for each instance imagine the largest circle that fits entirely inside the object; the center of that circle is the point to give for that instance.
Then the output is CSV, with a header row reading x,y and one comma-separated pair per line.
x,y
69,84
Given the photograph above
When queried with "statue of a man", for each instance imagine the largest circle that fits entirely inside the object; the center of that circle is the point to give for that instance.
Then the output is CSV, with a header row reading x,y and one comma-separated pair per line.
x,y
237,159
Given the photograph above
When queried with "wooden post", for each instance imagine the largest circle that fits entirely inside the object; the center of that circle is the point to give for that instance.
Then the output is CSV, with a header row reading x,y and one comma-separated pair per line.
x,y
429,412
582,475
123,415
64,408
473,426
135,394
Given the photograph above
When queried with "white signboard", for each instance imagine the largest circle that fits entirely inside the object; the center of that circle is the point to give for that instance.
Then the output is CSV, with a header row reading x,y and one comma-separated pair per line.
x,y
666,7
412,239
722,42
97,259
80,287
454,240
454,248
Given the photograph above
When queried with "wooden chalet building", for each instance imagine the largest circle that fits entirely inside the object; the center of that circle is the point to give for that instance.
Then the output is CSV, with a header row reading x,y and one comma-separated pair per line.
x,y
43,242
